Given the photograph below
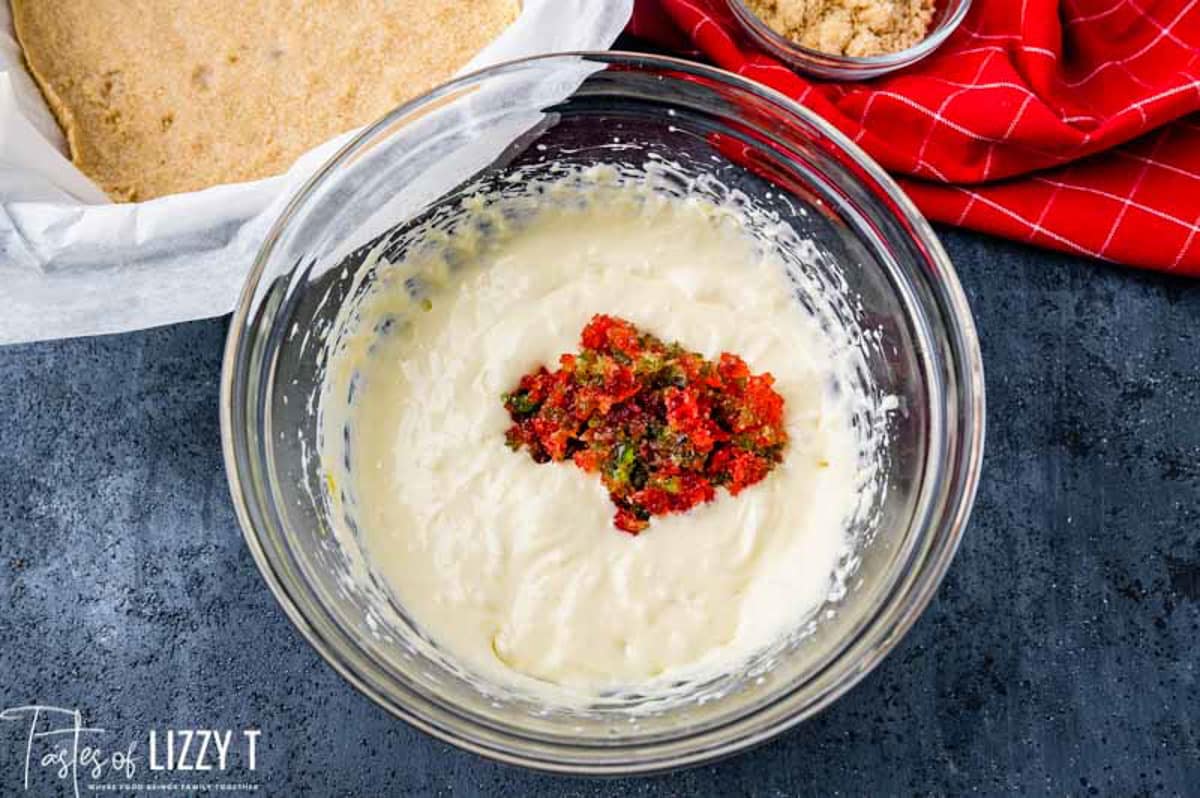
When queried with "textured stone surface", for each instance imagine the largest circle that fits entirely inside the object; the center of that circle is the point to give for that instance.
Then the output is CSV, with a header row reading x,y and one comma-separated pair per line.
x,y
1059,656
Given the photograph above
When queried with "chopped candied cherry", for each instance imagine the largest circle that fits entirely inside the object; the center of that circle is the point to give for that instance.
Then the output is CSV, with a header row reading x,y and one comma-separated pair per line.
x,y
595,334
588,459
662,426
739,468
628,521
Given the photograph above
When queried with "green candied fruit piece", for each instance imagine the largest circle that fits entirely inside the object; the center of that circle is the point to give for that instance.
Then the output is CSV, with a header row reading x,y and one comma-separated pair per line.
x,y
589,369
621,467
520,403
670,485
648,364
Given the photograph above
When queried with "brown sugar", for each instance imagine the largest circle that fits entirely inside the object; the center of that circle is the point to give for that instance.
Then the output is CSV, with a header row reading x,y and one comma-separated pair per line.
x,y
857,28
162,96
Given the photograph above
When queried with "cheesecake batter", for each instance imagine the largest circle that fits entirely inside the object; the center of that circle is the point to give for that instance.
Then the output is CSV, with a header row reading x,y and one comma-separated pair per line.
x,y
514,568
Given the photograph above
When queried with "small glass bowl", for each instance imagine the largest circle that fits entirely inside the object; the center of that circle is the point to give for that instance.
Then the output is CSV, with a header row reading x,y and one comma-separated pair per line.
x,y
582,110
948,14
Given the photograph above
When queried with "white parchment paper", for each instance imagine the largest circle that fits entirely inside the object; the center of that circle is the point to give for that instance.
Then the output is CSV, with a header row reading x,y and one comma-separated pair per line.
x,y
73,263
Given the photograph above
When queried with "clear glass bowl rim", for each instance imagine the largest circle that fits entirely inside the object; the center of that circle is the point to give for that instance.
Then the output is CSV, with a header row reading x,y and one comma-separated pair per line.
x,y
909,597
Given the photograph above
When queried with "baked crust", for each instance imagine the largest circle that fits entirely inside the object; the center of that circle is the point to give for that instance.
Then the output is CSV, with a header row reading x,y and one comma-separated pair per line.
x,y
163,96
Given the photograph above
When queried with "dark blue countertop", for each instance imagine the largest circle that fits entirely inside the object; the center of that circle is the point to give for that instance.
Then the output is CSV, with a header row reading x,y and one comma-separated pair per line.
x,y
1060,655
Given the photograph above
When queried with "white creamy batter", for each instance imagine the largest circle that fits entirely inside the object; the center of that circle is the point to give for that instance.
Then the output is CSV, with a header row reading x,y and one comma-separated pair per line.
x,y
515,568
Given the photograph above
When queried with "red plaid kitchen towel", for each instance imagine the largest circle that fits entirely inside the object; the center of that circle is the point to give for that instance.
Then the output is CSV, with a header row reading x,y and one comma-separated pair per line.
x,y
1064,123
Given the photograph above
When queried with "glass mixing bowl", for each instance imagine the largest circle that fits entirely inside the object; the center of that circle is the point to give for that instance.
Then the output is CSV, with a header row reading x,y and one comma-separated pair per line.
x,y
580,110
